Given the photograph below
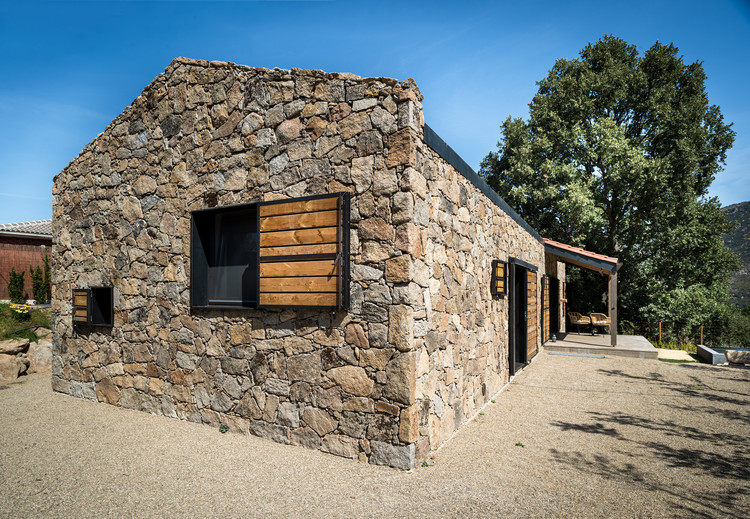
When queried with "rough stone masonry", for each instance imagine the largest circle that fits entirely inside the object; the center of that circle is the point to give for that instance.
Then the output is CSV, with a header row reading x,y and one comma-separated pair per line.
x,y
423,345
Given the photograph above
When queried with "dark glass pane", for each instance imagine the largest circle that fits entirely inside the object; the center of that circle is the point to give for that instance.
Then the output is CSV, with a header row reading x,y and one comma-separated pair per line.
x,y
234,250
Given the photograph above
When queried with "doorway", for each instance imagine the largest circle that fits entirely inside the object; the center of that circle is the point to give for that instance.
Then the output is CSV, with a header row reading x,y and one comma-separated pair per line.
x,y
522,318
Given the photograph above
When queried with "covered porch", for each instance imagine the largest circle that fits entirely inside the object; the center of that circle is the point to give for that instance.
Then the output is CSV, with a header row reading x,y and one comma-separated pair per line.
x,y
600,263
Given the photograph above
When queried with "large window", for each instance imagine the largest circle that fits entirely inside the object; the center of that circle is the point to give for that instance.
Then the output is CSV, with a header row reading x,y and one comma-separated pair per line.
x,y
288,253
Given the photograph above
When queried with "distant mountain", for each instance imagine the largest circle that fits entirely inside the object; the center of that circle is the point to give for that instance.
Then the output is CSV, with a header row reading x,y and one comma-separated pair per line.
x,y
739,241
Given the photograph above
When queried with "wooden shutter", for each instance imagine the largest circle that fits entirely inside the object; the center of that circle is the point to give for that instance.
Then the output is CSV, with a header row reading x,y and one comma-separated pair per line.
x,y
80,306
531,315
304,252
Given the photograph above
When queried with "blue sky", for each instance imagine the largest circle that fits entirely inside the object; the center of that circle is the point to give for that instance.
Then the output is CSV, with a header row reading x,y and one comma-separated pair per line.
x,y
70,67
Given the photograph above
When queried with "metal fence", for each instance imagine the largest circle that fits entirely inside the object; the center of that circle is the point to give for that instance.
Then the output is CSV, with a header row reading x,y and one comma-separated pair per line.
x,y
666,332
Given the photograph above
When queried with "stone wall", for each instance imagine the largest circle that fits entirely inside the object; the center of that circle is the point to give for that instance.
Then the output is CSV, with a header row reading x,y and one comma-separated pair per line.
x,y
423,345
460,330
212,133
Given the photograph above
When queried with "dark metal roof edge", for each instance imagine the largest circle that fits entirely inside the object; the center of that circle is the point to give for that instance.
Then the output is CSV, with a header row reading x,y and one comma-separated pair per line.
x,y
434,141
601,264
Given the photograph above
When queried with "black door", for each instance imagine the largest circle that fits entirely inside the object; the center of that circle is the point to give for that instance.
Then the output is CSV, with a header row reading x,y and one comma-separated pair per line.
x,y
554,305
517,319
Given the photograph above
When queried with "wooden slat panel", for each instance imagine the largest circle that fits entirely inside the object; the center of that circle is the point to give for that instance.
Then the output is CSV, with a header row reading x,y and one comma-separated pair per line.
x,y
298,268
299,221
80,300
300,237
305,206
299,284
531,312
291,250
80,315
298,299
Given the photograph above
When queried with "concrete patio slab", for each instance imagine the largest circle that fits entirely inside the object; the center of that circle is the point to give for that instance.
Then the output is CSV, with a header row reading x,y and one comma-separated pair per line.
x,y
633,346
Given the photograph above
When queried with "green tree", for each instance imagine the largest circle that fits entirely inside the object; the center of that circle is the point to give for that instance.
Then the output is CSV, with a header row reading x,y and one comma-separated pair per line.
x,y
617,157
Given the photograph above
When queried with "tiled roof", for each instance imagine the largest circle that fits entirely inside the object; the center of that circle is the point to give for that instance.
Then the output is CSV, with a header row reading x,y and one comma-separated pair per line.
x,y
583,254
43,227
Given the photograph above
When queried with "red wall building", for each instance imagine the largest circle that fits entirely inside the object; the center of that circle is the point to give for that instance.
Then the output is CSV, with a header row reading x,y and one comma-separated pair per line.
x,y
22,245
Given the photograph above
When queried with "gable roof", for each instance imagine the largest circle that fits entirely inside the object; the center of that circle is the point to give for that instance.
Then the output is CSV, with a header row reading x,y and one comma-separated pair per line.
x,y
582,258
32,229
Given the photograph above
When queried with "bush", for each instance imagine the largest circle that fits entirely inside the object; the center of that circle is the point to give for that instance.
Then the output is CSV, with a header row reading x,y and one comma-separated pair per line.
x,y
38,287
47,277
15,287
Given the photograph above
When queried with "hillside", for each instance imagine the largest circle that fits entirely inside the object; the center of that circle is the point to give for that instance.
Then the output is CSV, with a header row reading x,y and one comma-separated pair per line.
x,y
739,241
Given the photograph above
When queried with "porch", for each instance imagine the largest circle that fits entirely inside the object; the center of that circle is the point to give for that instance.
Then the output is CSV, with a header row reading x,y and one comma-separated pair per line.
x,y
627,345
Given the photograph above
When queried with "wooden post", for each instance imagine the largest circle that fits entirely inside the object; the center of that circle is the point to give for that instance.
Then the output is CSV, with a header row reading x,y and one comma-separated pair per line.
x,y
613,307
659,332
701,334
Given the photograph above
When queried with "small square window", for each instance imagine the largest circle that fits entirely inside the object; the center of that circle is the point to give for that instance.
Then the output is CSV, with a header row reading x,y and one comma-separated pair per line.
x,y
93,306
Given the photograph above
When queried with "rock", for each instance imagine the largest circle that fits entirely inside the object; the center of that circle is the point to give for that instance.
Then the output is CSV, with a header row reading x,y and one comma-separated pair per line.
x,y
305,437
399,269
329,398
408,239
375,229
408,430
356,336
289,130
305,367
276,433
40,356
403,207
400,385
352,379
376,358
340,446
401,327
397,456
319,420
738,356
13,346
107,392
10,368
403,149
288,414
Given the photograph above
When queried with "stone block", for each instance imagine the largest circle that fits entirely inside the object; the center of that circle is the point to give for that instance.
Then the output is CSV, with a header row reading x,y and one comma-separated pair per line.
x,y
399,269
319,420
408,429
401,327
397,456
401,378
340,446
352,379
402,149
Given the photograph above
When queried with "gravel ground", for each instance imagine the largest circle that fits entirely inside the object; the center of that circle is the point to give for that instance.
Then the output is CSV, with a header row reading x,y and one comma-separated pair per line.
x,y
611,437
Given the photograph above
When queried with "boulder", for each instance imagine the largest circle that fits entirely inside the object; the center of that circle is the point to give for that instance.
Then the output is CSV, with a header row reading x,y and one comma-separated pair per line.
x,y
738,356
11,367
40,356
14,346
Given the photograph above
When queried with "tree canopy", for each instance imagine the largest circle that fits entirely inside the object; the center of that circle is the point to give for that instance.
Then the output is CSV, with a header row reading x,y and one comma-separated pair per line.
x,y
616,157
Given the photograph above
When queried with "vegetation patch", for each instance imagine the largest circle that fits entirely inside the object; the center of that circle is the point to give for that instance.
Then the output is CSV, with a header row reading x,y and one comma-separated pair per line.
x,y
13,325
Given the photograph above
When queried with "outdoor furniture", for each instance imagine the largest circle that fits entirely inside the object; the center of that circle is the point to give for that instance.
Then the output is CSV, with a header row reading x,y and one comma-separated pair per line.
x,y
578,320
600,320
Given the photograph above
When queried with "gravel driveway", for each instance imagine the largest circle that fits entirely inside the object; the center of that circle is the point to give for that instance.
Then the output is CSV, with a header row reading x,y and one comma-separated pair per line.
x,y
606,437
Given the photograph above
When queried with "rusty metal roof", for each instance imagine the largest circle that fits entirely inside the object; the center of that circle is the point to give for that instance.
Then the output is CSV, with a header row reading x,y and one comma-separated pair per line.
x,y
582,257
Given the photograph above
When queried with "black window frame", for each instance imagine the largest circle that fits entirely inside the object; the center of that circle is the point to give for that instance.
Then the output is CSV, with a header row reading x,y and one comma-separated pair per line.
x,y
198,288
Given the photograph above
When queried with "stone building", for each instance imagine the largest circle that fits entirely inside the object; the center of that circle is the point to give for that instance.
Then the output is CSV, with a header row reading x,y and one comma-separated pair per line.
x,y
293,254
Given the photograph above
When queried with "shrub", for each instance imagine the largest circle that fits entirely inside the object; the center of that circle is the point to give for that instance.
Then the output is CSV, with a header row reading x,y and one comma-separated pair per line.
x,y
47,276
15,287
38,287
